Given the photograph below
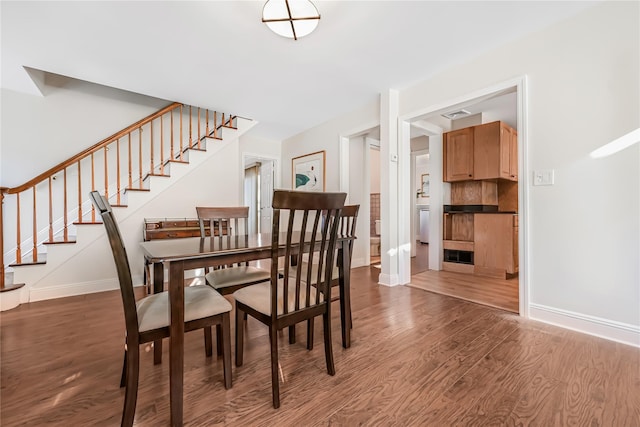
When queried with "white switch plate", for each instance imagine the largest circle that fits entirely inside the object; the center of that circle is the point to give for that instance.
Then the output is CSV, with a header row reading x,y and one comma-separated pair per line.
x,y
543,177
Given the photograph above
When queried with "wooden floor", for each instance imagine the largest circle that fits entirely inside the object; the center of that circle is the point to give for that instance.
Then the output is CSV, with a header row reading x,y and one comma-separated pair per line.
x,y
417,359
498,293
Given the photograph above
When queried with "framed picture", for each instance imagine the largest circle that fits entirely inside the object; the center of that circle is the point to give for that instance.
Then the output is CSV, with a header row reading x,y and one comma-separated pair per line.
x,y
308,172
425,185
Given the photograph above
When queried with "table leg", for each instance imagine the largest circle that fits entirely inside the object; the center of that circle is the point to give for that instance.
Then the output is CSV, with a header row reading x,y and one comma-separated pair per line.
x,y
176,346
345,294
158,286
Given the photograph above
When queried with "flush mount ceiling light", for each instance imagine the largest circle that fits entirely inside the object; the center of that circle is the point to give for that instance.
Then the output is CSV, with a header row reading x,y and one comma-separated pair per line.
x,y
290,18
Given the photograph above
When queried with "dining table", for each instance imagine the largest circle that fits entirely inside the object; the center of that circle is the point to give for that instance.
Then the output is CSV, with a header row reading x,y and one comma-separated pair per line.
x,y
179,255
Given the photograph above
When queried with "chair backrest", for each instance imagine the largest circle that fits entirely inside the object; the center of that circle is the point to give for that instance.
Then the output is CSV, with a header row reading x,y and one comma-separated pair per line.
x,y
311,232
224,222
348,223
121,261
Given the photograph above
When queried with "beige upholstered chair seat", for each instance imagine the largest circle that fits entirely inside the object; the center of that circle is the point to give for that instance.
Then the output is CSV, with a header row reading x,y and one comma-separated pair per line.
x,y
235,276
199,302
258,297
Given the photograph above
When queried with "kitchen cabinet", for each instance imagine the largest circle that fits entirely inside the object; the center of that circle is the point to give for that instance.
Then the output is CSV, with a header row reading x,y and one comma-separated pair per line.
x,y
485,244
495,244
458,155
482,152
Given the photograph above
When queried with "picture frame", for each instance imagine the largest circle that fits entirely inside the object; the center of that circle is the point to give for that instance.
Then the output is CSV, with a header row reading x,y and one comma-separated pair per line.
x,y
308,172
424,179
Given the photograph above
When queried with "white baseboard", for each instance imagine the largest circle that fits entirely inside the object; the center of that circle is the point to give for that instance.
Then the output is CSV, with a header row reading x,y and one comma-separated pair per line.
x,y
74,289
358,262
388,279
591,325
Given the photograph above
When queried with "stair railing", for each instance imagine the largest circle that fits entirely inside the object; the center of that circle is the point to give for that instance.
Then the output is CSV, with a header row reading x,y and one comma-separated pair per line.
x,y
46,207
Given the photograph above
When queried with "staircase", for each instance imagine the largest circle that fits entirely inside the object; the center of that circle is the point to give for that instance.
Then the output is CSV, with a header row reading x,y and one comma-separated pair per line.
x,y
48,223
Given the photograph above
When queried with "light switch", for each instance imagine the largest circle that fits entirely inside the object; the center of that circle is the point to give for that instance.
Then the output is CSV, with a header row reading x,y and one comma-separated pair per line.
x,y
543,177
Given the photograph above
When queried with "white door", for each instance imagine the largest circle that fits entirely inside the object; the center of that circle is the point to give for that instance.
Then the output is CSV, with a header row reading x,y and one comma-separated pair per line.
x,y
267,177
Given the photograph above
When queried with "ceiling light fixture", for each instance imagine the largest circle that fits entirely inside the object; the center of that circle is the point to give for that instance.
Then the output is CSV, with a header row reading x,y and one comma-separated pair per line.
x,y
290,18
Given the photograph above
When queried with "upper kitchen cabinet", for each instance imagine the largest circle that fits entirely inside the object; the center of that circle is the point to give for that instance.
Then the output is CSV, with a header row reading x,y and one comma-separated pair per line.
x,y
487,151
458,155
495,151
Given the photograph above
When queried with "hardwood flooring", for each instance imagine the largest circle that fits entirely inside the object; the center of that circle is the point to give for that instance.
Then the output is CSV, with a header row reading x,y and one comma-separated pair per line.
x,y
417,358
498,293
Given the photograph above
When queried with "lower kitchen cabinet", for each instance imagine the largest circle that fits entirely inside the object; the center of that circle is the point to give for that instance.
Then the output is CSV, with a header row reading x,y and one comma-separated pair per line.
x,y
495,244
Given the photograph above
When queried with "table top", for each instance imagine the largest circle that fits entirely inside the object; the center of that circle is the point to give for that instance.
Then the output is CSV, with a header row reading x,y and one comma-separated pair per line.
x,y
197,247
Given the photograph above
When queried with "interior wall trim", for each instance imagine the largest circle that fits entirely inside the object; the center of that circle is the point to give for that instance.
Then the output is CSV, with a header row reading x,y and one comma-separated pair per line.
x,y
75,289
608,329
389,279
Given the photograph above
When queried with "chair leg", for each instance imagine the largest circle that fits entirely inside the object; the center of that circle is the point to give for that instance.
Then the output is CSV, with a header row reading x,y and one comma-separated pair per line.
x,y
328,349
292,334
157,352
123,377
310,334
226,350
275,384
219,333
208,347
240,319
131,392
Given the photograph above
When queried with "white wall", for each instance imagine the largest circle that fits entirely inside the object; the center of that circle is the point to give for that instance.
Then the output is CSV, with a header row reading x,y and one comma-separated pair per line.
x,y
374,176
326,137
358,195
583,91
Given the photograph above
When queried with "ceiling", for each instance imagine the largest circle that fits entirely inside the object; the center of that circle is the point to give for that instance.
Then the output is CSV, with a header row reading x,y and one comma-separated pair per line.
x,y
219,55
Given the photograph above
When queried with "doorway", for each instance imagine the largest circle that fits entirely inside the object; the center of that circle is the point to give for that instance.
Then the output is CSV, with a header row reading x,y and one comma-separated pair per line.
x,y
259,183
503,103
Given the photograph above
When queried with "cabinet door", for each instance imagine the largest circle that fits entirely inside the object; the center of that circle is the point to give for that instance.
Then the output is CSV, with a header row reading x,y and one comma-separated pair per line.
x,y
494,151
487,151
513,156
505,151
458,155
494,239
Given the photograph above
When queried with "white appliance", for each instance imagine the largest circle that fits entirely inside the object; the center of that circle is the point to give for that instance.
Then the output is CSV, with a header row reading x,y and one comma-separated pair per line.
x,y
424,225
375,240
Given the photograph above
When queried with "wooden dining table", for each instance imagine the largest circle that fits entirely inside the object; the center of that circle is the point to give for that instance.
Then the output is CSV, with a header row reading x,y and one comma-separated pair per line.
x,y
179,255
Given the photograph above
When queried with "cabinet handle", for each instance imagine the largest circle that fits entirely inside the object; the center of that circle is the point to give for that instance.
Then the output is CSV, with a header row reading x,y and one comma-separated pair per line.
x,y
470,175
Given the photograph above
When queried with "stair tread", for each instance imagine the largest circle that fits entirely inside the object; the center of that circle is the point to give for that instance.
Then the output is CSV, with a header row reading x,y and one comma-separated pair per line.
x,y
57,242
11,287
42,259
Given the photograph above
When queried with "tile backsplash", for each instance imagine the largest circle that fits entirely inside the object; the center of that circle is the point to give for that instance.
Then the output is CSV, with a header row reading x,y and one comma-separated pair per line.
x,y
375,212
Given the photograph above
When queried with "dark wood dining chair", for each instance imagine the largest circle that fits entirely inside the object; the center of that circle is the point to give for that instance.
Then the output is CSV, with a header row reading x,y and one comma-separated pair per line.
x,y
228,223
347,228
291,299
147,320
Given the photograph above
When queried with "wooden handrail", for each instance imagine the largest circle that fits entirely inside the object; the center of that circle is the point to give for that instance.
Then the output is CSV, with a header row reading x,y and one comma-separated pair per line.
x,y
89,150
